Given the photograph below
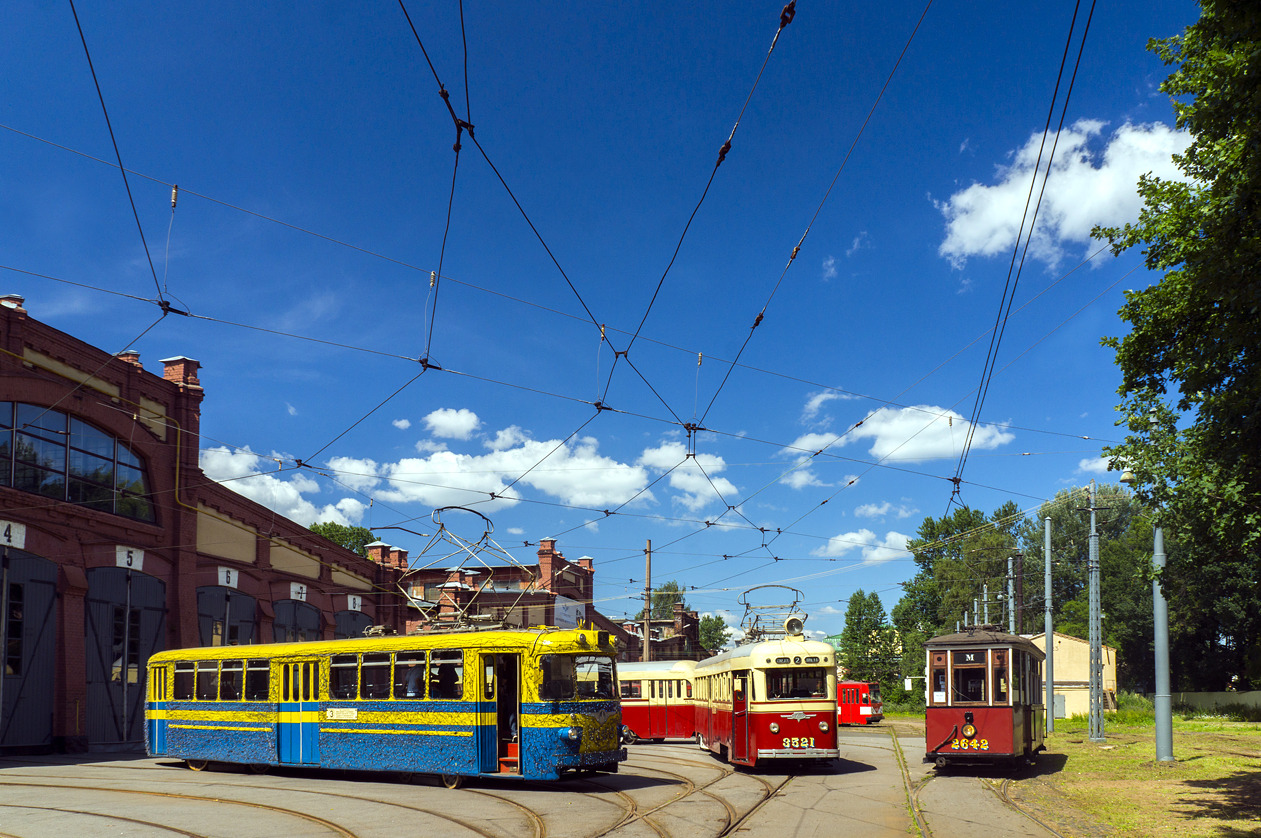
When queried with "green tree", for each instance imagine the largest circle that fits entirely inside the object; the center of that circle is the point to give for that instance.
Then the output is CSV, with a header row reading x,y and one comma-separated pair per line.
x,y
663,600
714,633
1190,362
352,538
864,647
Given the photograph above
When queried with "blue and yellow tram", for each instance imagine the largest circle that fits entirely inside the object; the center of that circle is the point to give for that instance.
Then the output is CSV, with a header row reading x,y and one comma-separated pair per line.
x,y
535,704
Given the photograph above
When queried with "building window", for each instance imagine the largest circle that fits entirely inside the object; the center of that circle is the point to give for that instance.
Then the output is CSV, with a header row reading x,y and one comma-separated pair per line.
x,y
56,455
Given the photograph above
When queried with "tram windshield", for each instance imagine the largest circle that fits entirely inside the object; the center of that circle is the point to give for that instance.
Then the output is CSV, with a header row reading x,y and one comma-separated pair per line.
x,y
800,682
567,677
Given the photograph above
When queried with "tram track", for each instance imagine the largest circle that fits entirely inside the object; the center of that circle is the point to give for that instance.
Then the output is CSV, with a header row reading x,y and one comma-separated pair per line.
x,y
85,812
1000,789
335,828
529,815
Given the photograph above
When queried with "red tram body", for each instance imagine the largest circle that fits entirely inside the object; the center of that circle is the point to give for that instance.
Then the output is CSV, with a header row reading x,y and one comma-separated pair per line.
x,y
773,699
657,700
984,701
858,703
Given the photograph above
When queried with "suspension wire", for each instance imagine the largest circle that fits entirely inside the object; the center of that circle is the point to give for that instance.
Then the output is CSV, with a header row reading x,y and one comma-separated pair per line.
x,y
1013,281
757,321
785,18
425,368
117,154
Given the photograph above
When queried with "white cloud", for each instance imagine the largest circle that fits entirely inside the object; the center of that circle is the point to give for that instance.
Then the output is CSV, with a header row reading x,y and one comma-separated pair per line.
x,y
922,432
874,550
815,403
429,446
697,490
402,424
359,475
829,268
451,423
861,242
293,411
507,438
241,470
801,477
1087,187
884,510
574,473
1094,465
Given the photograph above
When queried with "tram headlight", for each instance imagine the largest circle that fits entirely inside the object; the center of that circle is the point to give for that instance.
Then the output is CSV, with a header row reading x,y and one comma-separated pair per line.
x,y
774,727
823,726
573,734
968,731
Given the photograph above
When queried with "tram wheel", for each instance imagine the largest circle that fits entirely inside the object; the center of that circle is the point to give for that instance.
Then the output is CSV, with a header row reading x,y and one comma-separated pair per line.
x,y
629,737
197,764
451,781
941,762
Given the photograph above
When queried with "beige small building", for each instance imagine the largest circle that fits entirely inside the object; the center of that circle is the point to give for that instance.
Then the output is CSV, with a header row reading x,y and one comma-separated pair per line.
x,y
1072,673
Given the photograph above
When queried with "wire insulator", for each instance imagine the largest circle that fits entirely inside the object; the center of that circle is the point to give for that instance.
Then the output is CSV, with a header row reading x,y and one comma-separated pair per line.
x,y
786,16
175,192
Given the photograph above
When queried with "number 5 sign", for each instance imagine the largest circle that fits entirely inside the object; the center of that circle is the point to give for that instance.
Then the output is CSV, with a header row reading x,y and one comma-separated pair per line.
x,y
129,557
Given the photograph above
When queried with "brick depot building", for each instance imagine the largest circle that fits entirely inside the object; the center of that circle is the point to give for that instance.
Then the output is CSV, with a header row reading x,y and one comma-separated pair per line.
x,y
114,544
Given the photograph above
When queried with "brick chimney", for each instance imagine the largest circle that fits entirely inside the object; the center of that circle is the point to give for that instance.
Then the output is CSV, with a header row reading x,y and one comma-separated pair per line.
x,y
398,558
13,301
132,357
377,551
182,371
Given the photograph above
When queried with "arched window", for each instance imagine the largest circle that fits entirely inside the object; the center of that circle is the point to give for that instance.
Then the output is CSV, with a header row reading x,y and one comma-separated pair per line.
x,y
59,456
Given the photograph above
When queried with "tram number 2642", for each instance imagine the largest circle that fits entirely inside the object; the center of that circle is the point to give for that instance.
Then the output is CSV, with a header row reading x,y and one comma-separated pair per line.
x,y
970,744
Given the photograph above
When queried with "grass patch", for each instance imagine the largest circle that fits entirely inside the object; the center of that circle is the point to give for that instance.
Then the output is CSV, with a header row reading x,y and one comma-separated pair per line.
x,y
1212,789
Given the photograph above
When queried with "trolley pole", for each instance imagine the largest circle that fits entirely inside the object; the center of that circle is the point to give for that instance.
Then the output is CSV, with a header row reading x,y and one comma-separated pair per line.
x,y
646,655
1048,631
1096,630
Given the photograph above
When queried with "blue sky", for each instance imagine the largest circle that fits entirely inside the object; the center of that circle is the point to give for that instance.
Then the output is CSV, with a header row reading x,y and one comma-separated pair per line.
x,y
315,165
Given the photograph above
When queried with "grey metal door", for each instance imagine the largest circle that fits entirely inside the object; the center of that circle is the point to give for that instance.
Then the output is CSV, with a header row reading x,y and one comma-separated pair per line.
x,y
28,631
125,616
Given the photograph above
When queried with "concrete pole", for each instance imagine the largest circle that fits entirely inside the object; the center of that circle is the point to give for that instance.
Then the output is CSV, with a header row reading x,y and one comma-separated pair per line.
x,y
1160,619
1096,630
1049,631
985,596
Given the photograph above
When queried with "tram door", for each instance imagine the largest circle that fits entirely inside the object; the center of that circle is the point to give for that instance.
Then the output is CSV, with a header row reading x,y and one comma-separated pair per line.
x,y
498,729
298,733
740,715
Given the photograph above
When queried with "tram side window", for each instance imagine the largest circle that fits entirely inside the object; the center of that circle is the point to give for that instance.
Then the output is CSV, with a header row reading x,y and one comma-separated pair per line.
x,y
594,676
207,680
343,680
688,685
375,675
632,689
257,680
669,689
446,673
409,675
230,681
184,680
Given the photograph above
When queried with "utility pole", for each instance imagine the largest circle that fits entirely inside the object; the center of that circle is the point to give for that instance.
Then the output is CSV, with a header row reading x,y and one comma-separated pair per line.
x,y
646,655
1011,596
1049,631
1020,593
1096,630
985,593
1160,619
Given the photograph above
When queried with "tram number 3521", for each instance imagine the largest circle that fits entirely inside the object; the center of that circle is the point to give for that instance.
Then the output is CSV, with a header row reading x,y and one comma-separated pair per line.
x,y
799,742
969,744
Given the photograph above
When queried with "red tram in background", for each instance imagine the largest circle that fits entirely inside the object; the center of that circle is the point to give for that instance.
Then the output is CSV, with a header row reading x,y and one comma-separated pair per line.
x,y
858,703
984,701
657,700
773,699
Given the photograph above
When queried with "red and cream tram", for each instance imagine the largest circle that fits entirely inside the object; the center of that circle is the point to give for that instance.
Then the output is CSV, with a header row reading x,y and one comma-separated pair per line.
x,y
657,700
858,703
772,699
984,701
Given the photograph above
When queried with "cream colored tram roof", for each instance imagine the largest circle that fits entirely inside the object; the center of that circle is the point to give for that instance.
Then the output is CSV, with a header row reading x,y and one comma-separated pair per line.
x,y
756,654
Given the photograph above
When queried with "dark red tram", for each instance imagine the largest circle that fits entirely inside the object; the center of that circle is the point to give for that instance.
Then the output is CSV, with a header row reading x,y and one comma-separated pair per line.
x,y
984,702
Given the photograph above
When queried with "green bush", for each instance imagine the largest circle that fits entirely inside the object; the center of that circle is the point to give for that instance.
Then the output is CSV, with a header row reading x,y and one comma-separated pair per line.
x,y
1226,712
